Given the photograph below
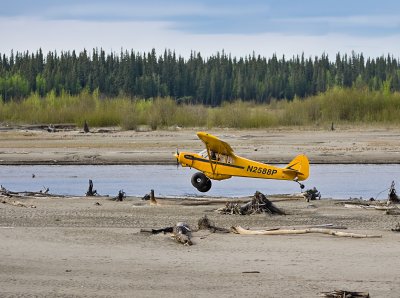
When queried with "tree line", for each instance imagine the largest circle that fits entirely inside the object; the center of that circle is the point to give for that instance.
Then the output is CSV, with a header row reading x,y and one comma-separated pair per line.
x,y
209,81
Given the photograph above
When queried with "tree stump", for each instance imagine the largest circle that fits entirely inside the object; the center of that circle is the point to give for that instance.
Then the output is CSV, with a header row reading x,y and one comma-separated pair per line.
x,y
90,192
393,198
85,127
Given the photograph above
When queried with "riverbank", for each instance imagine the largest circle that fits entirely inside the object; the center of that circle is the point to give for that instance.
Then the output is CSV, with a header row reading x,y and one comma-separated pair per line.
x,y
92,247
114,146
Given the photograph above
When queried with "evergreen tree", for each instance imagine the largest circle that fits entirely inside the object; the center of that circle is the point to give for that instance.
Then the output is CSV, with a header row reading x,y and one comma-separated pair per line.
x,y
209,81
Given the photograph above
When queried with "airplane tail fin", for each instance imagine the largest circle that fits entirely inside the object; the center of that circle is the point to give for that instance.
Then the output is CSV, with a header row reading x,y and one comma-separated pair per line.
x,y
300,166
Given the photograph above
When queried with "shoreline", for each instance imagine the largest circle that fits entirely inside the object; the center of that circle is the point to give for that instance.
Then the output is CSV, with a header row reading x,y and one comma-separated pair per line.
x,y
359,145
167,163
164,163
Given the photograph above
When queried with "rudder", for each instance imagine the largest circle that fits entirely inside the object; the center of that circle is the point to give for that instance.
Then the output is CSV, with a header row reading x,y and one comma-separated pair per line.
x,y
301,166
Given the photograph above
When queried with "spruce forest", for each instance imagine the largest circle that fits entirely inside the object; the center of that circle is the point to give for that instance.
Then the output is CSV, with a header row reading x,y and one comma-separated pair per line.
x,y
131,88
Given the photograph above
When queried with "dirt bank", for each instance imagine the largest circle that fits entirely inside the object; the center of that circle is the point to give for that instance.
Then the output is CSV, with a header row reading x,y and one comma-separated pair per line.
x,y
112,146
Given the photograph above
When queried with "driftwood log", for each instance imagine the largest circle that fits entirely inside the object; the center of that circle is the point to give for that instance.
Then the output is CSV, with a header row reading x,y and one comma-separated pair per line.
x,y
344,294
242,231
26,194
258,204
389,209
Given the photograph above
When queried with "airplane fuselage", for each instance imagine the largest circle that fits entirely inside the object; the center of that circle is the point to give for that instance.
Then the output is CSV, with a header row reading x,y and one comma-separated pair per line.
x,y
224,167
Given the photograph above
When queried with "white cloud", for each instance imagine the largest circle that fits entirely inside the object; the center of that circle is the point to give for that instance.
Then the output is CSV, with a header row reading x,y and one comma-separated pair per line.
x,y
31,34
384,21
129,10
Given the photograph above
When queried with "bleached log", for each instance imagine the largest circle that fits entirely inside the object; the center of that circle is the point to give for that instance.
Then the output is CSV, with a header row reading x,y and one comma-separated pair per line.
x,y
393,211
15,203
359,206
387,208
242,231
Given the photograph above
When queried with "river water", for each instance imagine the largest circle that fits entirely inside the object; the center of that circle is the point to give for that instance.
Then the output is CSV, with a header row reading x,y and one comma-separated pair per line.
x,y
333,181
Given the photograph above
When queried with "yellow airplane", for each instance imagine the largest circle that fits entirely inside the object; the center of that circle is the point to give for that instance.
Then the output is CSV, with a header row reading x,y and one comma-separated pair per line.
x,y
218,162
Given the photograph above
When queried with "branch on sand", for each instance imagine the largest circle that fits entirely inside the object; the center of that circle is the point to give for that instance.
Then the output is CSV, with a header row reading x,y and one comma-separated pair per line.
x,y
181,233
26,194
242,231
205,224
344,293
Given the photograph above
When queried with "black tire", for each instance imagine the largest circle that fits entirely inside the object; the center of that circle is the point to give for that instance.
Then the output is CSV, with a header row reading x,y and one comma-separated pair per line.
x,y
199,180
206,187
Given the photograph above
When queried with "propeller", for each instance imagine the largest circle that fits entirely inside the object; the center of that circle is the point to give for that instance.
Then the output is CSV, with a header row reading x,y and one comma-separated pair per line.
x,y
177,158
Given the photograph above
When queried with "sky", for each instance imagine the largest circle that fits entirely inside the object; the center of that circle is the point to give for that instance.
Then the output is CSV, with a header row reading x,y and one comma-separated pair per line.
x,y
237,27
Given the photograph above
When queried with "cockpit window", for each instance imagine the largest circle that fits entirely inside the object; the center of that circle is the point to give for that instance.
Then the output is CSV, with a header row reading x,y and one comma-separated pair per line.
x,y
216,156
204,153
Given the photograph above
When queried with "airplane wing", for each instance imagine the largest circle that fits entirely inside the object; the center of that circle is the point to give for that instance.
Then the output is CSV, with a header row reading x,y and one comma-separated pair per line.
x,y
215,144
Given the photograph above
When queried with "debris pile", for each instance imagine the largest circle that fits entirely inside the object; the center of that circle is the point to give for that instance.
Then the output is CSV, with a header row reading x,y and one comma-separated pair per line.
x,y
150,197
396,228
258,204
120,197
312,194
51,128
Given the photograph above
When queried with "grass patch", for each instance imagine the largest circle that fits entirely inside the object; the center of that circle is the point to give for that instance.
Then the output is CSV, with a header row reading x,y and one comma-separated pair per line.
x,y
358,106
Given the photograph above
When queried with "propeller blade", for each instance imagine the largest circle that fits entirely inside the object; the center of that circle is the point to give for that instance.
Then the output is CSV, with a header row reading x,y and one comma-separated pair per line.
x,y
177,158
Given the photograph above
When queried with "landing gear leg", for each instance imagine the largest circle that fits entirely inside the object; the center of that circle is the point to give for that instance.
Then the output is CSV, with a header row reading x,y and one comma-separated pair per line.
x,y
297,181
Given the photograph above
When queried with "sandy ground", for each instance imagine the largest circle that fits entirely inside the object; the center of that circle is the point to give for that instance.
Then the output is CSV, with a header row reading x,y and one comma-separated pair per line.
x,y
343,145
72,247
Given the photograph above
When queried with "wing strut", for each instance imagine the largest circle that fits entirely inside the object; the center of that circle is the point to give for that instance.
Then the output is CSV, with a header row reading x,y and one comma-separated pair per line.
x,y
213,168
